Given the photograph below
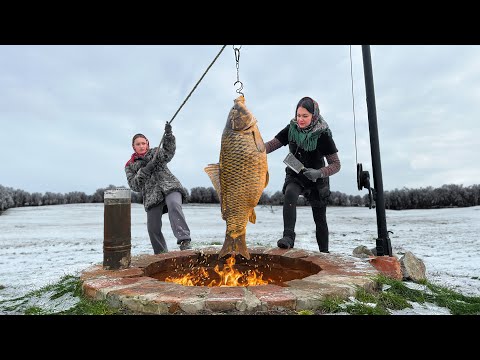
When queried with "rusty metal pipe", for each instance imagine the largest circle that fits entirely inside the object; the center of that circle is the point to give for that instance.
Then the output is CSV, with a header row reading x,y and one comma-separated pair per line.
x,y
117,229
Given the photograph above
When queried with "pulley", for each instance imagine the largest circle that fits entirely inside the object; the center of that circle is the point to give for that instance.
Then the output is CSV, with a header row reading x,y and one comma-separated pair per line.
x,y
363,182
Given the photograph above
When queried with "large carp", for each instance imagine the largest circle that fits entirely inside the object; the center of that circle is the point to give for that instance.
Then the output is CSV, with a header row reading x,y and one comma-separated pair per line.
x,y
240,177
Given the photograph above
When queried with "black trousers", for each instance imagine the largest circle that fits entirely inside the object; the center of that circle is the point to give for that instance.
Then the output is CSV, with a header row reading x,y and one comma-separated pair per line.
x,y
292,192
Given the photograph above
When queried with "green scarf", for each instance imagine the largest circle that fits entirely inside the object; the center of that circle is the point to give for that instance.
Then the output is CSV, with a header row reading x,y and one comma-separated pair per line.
x,y
307,138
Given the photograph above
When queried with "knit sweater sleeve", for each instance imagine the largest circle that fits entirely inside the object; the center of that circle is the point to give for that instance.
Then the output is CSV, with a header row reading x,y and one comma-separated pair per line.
x,y
273,145
333,166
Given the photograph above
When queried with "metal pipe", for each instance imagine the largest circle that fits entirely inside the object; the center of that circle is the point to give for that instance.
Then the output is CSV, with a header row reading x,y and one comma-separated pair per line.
x,y
117,229
383,242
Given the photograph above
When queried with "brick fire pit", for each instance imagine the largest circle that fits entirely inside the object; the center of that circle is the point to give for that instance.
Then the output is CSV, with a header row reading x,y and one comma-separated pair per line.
x,y
297,280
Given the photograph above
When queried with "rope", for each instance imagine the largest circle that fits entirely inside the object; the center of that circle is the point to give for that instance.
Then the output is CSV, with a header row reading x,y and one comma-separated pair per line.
x,y
184,101
353,106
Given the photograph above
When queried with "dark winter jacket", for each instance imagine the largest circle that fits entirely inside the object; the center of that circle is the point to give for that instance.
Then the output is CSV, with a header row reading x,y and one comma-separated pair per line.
x,y
317,193
161,182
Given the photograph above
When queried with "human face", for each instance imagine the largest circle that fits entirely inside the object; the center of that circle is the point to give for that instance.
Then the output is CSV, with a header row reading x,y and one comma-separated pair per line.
x,y
304,118
140,145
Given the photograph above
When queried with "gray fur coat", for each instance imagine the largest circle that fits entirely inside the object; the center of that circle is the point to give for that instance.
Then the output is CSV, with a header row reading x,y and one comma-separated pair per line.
x,y
161,182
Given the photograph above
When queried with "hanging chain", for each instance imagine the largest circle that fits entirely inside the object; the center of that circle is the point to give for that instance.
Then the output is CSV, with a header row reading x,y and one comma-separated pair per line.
x,y
237,60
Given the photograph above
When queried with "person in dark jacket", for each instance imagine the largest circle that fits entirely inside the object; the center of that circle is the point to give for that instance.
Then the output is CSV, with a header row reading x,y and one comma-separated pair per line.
x,y
310,140
147,172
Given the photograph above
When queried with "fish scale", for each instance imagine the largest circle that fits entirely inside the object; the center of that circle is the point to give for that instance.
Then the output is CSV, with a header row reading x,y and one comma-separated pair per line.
x,y
239,170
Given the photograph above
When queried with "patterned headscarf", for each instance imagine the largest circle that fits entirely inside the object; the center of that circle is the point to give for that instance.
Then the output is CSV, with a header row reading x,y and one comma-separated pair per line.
x,y
307,137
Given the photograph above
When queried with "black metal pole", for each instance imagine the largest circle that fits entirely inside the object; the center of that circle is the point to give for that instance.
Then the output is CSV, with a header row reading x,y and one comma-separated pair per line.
x,y
383,242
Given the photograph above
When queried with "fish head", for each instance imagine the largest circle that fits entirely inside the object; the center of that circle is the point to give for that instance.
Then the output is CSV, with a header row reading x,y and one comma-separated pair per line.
x,y
240,118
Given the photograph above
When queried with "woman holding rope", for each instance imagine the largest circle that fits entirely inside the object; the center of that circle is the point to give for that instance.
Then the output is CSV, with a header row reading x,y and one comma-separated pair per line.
x,y
147,172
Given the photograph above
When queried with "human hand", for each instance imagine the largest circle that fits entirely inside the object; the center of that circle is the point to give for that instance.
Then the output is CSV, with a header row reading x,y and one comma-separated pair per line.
x,y
168,128
312,174
150,166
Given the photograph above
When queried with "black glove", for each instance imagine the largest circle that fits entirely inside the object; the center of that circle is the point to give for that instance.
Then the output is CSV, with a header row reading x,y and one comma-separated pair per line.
x,y
168,129
312,174
150,166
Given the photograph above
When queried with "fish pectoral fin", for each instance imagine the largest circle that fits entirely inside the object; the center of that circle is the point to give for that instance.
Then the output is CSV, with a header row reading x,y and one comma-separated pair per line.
x,y
258,139
213,172
252,217
267,178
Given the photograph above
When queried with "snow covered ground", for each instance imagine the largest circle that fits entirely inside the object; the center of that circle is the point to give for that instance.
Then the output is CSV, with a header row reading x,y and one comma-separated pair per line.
x,y
38,245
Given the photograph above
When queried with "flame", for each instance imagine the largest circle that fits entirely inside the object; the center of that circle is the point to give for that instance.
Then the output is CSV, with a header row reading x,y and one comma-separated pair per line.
x,y
229,276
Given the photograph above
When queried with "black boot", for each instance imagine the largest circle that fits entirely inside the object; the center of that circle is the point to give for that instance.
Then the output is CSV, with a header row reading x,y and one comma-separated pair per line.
x,y
322,241
287,241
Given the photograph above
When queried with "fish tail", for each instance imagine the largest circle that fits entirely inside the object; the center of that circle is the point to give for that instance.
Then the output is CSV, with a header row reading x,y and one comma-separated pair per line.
x,y
236,246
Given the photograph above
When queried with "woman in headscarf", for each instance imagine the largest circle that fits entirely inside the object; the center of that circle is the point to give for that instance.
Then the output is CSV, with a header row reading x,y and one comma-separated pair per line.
x,y
310,140
147,172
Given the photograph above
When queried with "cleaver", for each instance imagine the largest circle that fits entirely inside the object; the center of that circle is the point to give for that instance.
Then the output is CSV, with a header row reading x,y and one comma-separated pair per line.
x,y
293,163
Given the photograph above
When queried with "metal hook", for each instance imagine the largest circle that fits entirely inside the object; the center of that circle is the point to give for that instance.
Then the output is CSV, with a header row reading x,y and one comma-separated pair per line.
x,y
239,90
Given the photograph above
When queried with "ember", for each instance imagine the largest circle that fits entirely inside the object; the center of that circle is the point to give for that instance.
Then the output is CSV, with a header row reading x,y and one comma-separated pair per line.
x,y
229,276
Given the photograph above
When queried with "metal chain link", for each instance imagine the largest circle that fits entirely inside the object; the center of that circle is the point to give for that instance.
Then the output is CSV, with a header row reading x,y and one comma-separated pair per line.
x,y
237,61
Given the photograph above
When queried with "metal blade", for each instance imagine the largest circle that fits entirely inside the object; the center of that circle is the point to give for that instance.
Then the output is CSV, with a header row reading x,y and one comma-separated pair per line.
x,y
293,163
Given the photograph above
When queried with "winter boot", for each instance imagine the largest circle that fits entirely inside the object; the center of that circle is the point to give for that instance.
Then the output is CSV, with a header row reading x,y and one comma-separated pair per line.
x,y
287,241
185,244
322,241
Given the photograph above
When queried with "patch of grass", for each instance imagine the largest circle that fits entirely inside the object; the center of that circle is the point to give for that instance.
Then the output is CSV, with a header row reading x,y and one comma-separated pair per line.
x,y
364,309
2,287
457,303
62,298
331,305
216,243
34,310
383,300
11,305
397,296
91,307
393,301
364,296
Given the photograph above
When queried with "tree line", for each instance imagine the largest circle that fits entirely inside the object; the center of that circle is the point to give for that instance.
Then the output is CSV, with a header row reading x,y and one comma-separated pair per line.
x,y
451,195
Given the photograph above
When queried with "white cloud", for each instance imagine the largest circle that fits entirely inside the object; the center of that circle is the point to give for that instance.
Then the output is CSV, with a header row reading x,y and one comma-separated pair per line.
x,y
68,113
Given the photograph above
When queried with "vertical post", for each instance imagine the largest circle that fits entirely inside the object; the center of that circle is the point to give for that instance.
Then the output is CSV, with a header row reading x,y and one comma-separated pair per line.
x,y
383,242
117,229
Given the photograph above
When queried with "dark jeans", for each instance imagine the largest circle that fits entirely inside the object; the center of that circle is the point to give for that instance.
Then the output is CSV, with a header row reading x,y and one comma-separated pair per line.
x,y
179,226
292,192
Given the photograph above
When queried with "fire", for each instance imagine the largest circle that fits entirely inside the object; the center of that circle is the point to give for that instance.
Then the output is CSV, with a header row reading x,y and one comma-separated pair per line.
x,y
229,276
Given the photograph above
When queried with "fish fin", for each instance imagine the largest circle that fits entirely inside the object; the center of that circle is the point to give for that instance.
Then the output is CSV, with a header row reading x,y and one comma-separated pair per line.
x,y
267,178
236,246
258,139
252,217
213,172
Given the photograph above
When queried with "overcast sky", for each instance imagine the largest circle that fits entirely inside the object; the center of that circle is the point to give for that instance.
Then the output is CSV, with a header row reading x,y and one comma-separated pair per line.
x,y
68,113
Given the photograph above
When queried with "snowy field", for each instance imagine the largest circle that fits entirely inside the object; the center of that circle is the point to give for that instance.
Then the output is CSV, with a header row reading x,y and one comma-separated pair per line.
x,y
38,245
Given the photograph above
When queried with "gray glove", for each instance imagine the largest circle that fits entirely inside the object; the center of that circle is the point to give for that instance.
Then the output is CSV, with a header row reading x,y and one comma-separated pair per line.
x,y
168,129
312,174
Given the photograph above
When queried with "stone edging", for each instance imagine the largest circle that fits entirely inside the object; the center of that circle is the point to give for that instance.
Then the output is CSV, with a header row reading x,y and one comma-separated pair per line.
x,y
134,289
